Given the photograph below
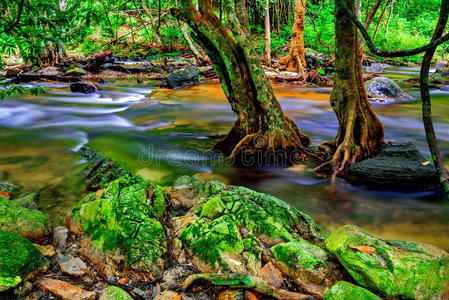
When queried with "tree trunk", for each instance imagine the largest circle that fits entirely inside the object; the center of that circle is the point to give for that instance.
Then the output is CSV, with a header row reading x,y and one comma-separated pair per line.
x,y
190,43
261,126
380,18
295,61
267,33
426,104
360,132
372,14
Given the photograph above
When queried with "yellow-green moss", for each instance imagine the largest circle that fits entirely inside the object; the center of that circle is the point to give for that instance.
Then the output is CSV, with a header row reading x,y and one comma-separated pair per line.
x,y
343,290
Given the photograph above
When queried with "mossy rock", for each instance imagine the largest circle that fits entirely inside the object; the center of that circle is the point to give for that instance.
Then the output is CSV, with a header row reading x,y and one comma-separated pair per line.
x,y
18,259
114,293
343,290
398,166
9,188
393,268
226,227
124,217
22,221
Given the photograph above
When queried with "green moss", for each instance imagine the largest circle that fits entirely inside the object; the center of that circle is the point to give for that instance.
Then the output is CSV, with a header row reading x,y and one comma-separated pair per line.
x,y
114,293
402,269
18,258
22,221
212,208
300,254
343,290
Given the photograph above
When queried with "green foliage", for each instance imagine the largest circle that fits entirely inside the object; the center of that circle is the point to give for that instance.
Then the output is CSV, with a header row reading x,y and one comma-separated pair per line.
x,y
7,90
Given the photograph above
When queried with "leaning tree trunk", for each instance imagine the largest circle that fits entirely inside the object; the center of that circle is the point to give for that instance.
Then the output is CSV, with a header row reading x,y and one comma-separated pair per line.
x,y
261,126
360,132
295,61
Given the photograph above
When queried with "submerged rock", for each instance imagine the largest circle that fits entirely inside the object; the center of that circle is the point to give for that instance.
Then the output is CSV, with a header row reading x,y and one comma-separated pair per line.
x,y
343,290
83,87
382,89
22,221
394,268
398,166
18,259
186,77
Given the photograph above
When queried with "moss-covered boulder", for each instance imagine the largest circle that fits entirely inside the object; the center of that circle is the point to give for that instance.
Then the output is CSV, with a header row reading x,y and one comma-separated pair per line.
x,y
120,226
398,166
343,290
18,259
114,293
22,221
393,268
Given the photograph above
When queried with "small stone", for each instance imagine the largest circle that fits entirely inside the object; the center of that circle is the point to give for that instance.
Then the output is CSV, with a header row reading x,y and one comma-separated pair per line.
x,y
47,250
114,293
168,295
64,290
231,295
60,235
272,275
73,266
24,288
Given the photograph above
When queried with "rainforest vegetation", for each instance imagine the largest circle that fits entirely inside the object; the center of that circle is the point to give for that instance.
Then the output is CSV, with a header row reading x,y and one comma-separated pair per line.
x,y
183,149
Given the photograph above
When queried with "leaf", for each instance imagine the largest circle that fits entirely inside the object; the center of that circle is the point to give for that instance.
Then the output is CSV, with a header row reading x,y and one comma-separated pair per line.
x,y
321,71
364,249
4,194
426,163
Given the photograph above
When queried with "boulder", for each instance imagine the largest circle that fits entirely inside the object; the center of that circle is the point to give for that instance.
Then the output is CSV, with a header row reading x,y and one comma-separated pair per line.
x,y
22,221
398,166
180,79
343,290
114,293
77,71
382,89
18,260
83,87
394,268
376,68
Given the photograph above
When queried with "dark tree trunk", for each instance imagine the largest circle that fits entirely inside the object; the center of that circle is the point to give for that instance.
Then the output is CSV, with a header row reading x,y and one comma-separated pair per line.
x,y
261,125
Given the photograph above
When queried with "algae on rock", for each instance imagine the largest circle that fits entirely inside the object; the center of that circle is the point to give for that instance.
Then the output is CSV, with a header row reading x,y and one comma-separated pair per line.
x,y
343,290
395,268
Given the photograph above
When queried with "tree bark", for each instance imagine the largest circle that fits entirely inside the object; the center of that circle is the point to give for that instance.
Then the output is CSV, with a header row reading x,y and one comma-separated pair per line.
x,y
295,61
261,126
360,133
267,32
190,43
372,14
426,104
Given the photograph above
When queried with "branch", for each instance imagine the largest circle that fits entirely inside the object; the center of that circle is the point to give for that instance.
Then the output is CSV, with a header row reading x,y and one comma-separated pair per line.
x,y
19,15
382,53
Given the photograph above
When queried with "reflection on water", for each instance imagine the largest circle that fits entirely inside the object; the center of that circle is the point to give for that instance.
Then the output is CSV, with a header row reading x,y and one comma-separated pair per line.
x,y
161,134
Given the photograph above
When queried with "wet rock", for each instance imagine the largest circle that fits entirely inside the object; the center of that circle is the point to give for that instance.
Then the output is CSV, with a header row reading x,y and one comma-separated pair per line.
x,y
73,266
27,200
382,89
213,177
28,223
114,293
12,72
272,275
64,290
131,68
18,260
77,71
307,265
83,87
376,68
120,226
47,251
180,79
60,235
227,227
96,62
9,188
47,72
394,268
398,166
343,290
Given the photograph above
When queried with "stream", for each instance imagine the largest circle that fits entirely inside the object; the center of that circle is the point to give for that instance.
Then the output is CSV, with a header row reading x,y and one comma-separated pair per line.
x,y
161,134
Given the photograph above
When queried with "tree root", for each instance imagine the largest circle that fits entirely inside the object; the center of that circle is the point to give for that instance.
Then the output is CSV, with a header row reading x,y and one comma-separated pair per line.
x,y
245,281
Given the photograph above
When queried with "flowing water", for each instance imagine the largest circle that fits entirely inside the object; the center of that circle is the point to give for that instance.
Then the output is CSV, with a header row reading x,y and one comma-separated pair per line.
x,y
161,134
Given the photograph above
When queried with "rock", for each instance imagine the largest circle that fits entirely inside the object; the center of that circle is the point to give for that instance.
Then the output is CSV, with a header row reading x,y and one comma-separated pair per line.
x,y
47,251
307,265
180,79
12,72
395,268
73,266
381,89
77,71
14,218
60,235
18,260
343,290
213,177
9,188
64,290
398,166
114,293
227,227
27,200
131,68
272,275
441,64
47,71
168,295
83,87
96,62
120,226
376,68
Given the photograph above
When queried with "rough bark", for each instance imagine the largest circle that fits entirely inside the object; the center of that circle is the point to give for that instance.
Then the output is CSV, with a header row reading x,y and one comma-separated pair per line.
x,y
360,132
261,125
267,32
190,43
295,61
426,103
